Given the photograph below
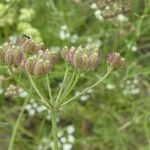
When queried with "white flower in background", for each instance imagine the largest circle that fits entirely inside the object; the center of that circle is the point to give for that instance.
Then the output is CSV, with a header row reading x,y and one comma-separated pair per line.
x,y
93,43
70,129
67,146
110,86
84,97
28,107
71,138
134,48
22,93
1,90
135,91
131,87
73,38
64,27
107,7
98,15
93,6
60,134
122,18
26,14
31,112
64,32
63,140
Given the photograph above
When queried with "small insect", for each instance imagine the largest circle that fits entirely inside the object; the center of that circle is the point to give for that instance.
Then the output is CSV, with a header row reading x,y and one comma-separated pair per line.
x,y
26,36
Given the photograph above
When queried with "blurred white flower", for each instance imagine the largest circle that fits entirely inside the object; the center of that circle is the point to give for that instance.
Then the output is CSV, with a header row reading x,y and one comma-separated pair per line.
x,y
98,15
110,86
73,38
135,91
31,112
28,107
64,32
70,129
71,138
63,139
60,134
93,6
134,48
107,7
64,27
67,146
84,97
122,18
22,93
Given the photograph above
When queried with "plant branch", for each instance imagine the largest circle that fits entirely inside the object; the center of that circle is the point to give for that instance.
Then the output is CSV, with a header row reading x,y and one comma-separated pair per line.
x,y
62,86
38,92
88,88
49,88
69,90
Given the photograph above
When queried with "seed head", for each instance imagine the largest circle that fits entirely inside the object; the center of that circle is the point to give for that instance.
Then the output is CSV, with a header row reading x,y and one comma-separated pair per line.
x,y
40,63
26,43
115,59
11,54
83,58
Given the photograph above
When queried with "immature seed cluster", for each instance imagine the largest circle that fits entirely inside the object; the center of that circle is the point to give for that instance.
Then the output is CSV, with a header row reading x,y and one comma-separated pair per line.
x,y
83,58
115,59
40,64
37,60
11,54
26,53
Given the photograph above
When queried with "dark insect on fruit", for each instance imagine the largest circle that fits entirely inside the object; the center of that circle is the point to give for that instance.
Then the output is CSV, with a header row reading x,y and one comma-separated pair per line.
x,y
26,36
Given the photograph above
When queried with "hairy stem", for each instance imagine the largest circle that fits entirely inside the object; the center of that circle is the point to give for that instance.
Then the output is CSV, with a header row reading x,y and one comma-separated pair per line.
x,y
54,129
17,124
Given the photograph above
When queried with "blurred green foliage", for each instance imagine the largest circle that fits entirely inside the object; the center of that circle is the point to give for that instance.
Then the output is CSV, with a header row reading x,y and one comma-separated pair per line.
x,y
114,115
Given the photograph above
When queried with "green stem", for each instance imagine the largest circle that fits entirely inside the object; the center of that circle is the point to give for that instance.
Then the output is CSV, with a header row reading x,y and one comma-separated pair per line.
x,y
88,88
70,83
49,88
38,92
62,86
69,90
54,129
17,124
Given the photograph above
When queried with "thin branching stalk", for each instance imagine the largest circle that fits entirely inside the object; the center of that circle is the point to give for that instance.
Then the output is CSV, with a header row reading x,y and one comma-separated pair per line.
x,y
49,88
63,84
29,92
71,82
69,90
17,124
88,88
38,92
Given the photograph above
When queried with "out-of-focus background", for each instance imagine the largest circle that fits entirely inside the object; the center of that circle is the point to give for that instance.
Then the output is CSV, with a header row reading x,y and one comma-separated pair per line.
x,y
114,115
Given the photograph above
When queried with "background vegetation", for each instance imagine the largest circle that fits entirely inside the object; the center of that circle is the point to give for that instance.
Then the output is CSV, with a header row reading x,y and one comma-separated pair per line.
x,y
114,115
